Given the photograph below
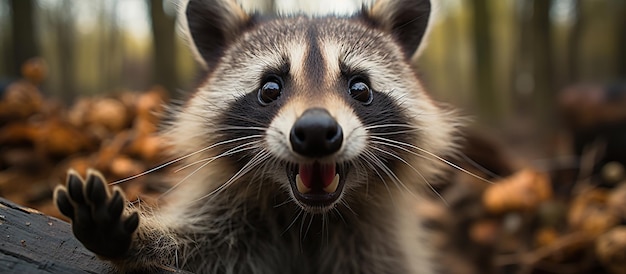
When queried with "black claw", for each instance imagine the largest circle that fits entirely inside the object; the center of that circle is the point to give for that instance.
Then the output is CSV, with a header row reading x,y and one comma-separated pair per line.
x,y
96,191
75,188
116,205
64,204
131,223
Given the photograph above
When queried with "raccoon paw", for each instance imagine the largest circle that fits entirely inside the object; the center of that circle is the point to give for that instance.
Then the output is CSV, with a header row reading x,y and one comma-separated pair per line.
x,y
97,216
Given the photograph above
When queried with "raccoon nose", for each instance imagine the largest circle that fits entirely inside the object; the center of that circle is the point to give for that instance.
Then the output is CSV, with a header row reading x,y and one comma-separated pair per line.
x,y
316,134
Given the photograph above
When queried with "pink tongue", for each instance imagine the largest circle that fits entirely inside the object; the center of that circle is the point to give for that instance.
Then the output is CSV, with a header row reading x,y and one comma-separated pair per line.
x,y
317,175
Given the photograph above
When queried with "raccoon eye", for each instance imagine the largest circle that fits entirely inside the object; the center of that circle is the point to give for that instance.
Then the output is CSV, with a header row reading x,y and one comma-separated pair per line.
x,y
270,91
360,91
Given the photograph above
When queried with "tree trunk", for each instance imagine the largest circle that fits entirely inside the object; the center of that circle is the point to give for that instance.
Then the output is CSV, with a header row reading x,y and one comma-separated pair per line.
x,y
66,44
109,49
163,32
24,46
523,81
487,97
573,45
621,41
544,93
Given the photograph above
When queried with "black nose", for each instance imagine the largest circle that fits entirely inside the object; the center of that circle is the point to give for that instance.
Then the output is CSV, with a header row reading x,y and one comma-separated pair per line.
x,y
316,134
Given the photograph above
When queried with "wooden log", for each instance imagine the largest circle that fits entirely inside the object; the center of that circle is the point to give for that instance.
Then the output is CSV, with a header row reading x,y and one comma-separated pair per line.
x,y
31,242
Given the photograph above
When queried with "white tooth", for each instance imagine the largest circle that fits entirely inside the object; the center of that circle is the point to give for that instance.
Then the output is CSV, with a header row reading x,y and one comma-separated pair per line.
x,y
300,185
333,186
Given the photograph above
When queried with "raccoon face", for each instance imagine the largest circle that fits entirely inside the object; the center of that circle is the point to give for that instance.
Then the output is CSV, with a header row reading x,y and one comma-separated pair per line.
x,y
323,106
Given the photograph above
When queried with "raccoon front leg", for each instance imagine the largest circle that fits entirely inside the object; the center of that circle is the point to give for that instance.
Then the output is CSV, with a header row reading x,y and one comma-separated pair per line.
x,y
99,223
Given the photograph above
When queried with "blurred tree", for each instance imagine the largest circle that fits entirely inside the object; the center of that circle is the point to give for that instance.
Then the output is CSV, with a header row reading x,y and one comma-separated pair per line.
x,y
533,72
573,50
163,33
487,99
621,40
109,46
63,25
523,82
23,42
544,93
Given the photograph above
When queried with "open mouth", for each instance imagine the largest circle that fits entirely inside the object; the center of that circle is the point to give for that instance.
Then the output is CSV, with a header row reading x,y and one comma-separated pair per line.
x,y
317,185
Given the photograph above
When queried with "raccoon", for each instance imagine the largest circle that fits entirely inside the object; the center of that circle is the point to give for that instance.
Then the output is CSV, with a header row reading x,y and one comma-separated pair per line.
x,y
305,149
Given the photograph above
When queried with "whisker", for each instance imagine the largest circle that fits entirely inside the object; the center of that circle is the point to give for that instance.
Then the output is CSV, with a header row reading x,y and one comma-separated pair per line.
x,y
207,161
235,150
293,222
259,186
359,165
429,154
416,171
184,179
251,165
392,132
405,162
288,200
385,169
244,118
308,227
390,125
325,234
371,160
226,128
479,166
367,158
182,158
340,215
302,228
344,203
245,169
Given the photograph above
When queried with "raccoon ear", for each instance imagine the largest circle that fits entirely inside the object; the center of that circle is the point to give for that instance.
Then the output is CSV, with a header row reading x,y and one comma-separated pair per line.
x,y
406,20
210,25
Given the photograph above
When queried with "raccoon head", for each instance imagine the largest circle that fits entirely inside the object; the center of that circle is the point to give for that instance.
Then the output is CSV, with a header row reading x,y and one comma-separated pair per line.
x,y
321,106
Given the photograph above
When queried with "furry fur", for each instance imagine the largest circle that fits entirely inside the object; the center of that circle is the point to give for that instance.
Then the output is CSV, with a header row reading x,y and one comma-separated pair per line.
x,y
236,210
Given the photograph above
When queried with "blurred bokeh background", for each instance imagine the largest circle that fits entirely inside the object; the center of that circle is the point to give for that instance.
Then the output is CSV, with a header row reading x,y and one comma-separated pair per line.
x,y
543,82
